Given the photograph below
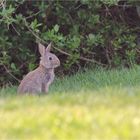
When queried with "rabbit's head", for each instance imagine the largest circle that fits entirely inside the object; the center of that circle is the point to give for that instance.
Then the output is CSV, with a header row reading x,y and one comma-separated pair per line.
x,y
48,60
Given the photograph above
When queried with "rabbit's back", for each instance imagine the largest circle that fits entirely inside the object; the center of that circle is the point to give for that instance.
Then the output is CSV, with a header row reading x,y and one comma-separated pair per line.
x,y
31,83
34,81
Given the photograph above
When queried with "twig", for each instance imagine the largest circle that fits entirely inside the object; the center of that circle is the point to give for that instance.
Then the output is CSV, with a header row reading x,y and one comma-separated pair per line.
x,y
48,11
82,58
108,57
21,66
3,4
33,33
138,50
78,6
15,29
107,11
10,73
33,15
124,5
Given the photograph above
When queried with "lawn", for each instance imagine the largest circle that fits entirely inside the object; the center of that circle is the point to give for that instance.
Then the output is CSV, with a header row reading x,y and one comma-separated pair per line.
x,y
92,105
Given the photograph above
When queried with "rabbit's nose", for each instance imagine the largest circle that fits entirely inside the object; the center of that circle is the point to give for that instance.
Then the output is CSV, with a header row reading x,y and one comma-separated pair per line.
x,y
56,63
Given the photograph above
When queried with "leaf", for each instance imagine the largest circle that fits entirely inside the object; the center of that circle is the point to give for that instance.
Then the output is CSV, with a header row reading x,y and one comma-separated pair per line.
x,y
34,24
31,66
56,28
13,66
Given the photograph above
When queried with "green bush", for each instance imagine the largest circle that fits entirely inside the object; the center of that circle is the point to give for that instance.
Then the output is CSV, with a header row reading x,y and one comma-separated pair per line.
x,y
83,32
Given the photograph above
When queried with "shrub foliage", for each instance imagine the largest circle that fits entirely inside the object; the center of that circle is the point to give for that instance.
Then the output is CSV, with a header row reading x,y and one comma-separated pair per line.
x,y
84,33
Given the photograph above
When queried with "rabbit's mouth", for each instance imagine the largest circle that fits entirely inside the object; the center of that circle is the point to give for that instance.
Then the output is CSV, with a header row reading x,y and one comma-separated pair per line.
x,y
55,66
52,67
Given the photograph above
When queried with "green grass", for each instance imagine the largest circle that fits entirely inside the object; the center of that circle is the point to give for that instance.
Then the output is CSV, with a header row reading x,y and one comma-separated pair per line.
x,y
94,105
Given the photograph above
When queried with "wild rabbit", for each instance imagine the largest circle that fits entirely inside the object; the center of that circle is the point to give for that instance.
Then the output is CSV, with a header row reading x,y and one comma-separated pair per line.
x,y
39,80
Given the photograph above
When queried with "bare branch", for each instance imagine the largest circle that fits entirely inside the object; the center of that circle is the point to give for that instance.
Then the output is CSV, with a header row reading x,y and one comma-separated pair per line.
x,y
60,50
10,73
3,4
33,15
15,29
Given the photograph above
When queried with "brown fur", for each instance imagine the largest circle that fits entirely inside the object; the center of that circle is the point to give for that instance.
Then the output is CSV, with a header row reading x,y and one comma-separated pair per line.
x,y
39,80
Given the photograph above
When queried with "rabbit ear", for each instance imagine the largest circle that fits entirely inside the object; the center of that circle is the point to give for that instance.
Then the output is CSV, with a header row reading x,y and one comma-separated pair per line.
x,y
41,49
48,49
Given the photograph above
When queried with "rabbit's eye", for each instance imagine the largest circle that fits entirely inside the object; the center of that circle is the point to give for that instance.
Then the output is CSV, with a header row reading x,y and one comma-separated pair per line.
x,y
50,58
